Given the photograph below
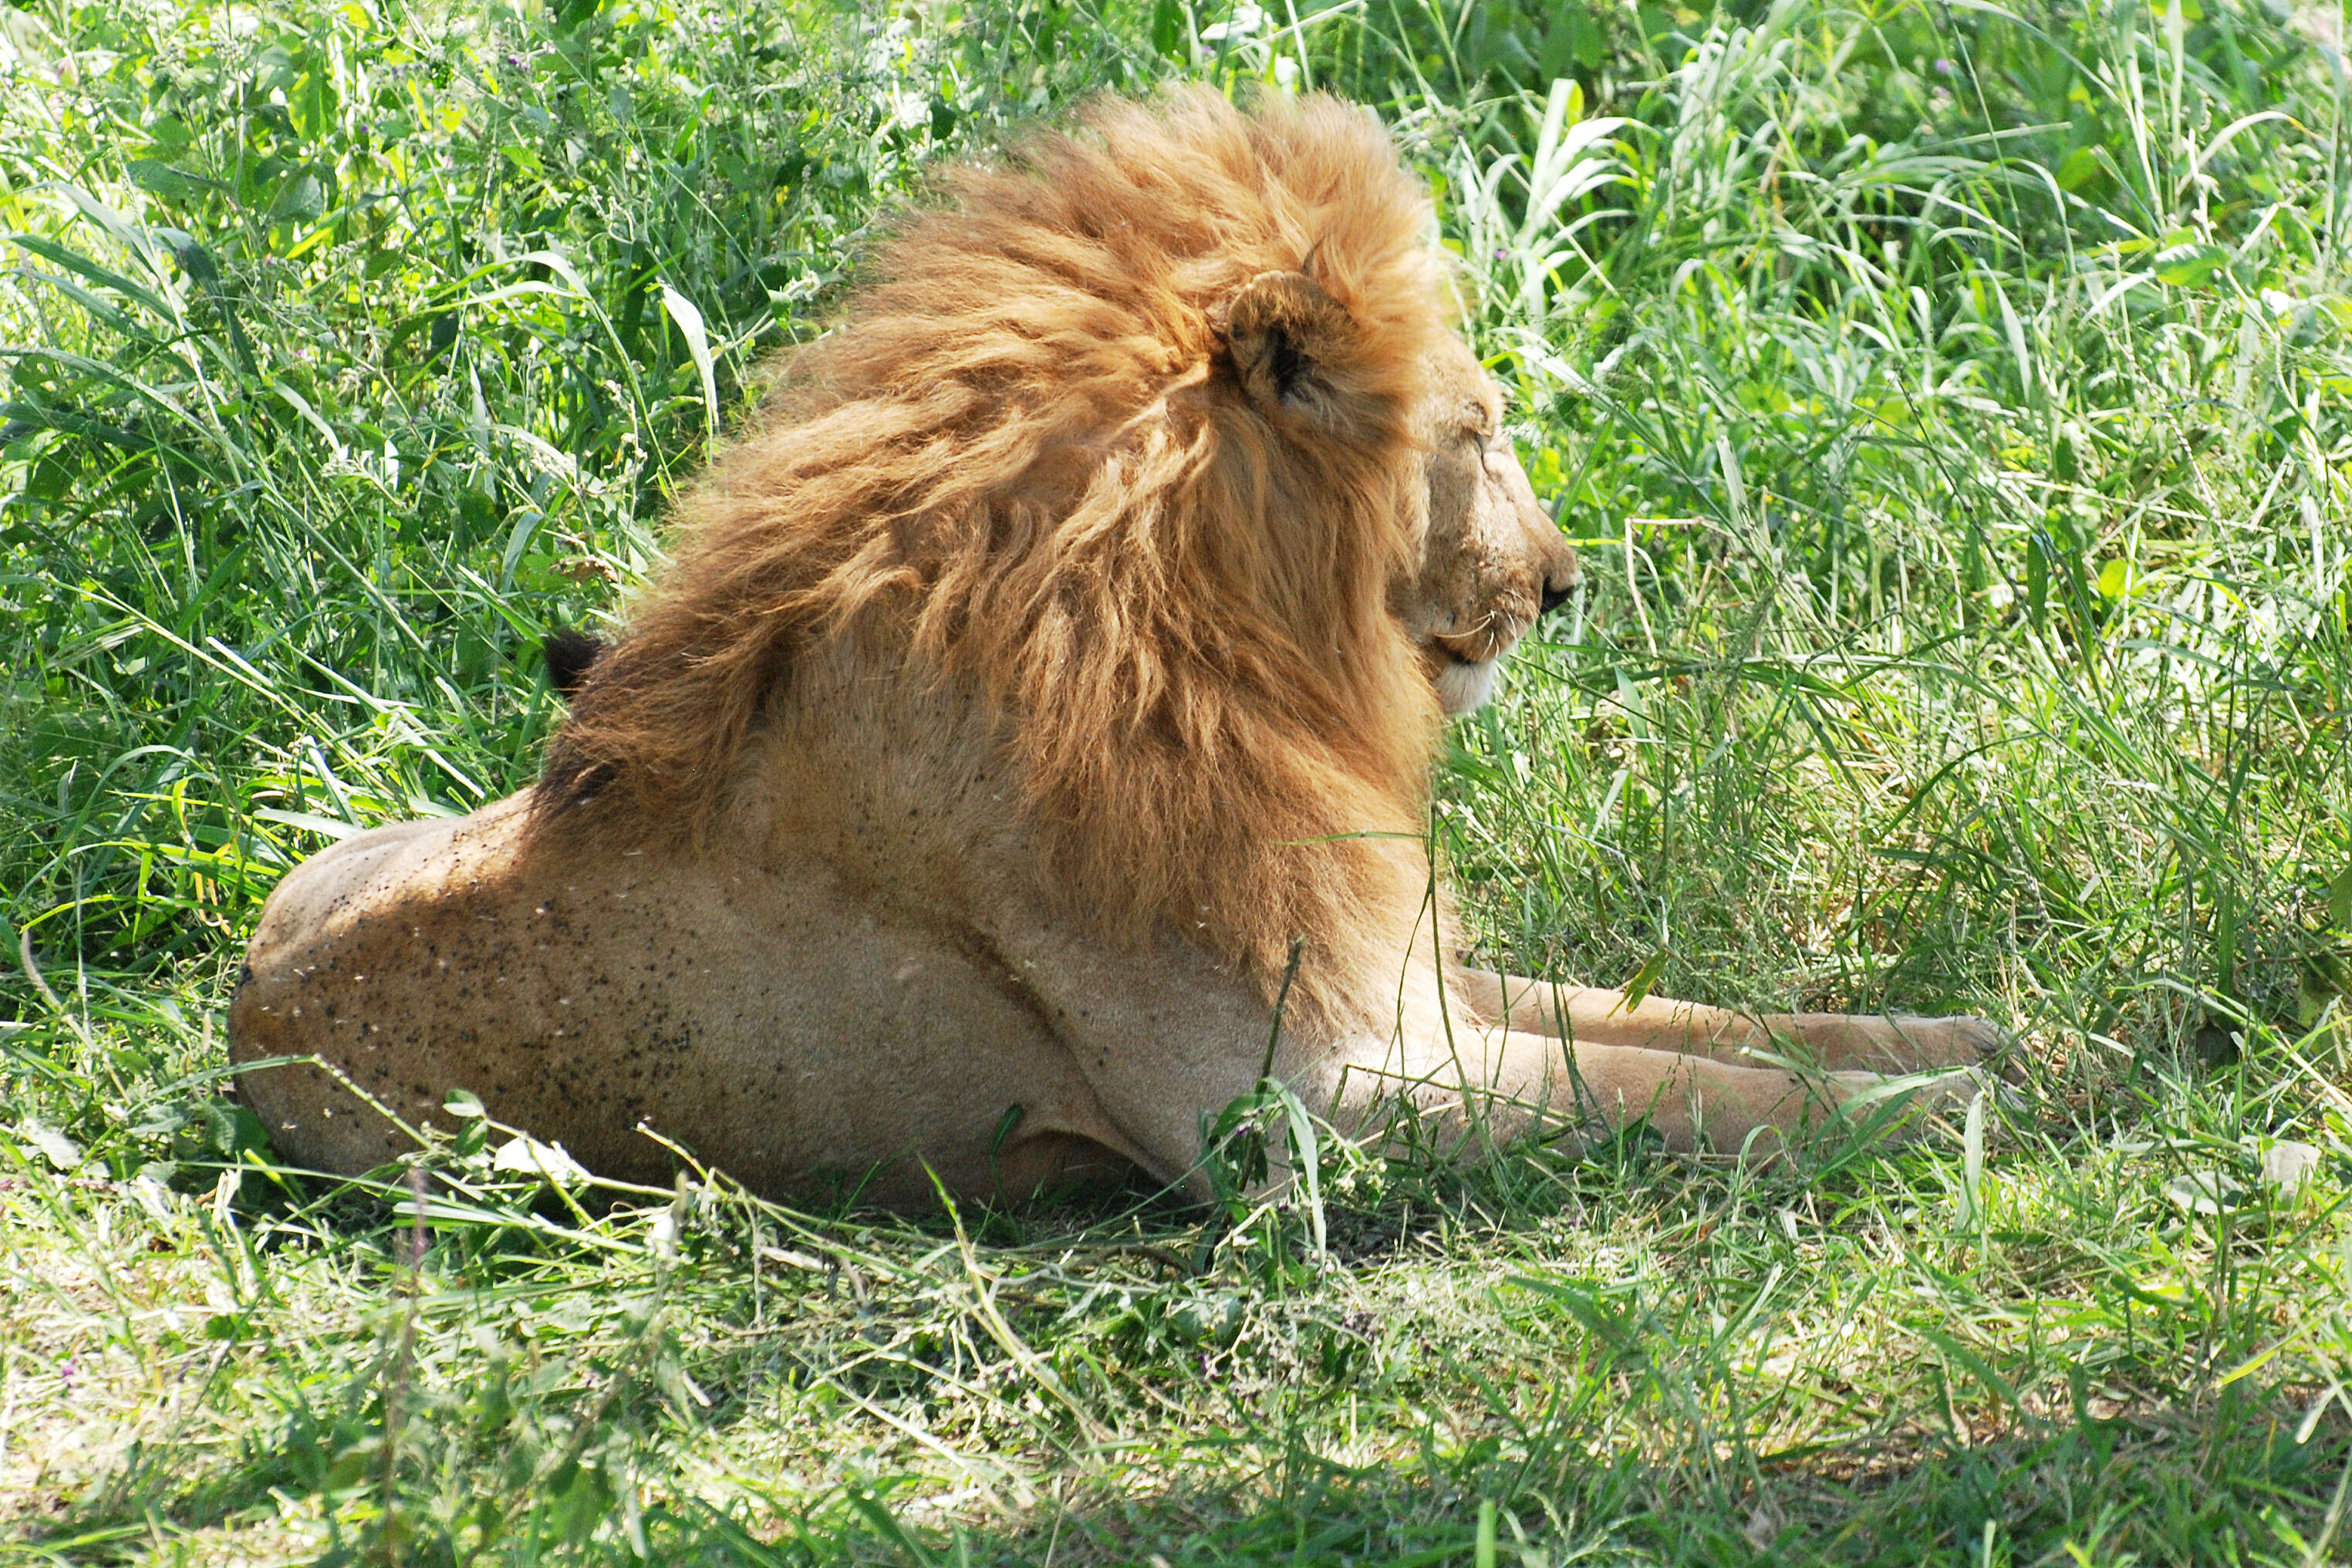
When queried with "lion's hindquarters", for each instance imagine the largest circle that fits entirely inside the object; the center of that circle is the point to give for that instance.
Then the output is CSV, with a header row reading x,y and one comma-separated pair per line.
x,y
760,1017
302,994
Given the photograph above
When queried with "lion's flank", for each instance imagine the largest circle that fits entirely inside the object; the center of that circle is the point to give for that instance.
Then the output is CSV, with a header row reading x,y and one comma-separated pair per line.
x,y
1116,429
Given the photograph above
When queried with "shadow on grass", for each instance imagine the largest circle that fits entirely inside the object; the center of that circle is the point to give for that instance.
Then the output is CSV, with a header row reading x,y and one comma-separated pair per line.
x,y
2233,1481
2169,1486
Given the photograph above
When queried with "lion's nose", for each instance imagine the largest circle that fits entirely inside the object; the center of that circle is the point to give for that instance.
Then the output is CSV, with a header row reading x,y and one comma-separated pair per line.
x,y
1555,594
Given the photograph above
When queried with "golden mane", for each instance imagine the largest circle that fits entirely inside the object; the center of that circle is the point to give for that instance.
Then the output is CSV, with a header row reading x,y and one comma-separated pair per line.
x,y
1119,432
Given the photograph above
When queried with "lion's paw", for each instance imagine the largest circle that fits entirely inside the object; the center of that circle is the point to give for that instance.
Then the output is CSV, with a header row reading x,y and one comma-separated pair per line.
x,y
1961,1039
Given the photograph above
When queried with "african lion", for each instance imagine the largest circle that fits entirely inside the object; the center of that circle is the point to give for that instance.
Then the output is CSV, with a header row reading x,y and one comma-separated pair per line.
x,y
1071,634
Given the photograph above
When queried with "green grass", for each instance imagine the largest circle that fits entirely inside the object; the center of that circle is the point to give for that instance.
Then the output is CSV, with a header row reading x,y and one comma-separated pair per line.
x,y
1953,405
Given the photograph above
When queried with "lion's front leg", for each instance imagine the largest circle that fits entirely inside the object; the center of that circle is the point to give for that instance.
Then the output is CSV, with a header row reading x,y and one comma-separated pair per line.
x,y
1587,1015
1488,1088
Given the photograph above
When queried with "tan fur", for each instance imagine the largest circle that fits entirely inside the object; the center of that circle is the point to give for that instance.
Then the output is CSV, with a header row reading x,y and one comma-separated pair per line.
x,y
1022,451
1068,638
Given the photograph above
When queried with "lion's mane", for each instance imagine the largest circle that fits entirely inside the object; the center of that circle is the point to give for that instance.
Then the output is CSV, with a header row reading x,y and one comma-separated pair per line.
x,y
1026,454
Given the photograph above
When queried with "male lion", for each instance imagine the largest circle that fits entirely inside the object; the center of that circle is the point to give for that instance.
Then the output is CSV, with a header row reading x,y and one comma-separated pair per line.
x,y
1068,639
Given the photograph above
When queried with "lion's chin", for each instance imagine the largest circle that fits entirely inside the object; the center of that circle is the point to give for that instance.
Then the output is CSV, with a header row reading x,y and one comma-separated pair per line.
x,y
1465,684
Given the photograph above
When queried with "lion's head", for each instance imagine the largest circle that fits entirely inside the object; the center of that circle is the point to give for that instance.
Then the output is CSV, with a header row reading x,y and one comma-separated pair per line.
x,y
1491,560
1156,438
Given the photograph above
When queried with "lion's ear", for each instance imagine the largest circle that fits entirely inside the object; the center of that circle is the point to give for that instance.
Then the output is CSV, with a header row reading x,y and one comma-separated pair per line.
x,y
1285,336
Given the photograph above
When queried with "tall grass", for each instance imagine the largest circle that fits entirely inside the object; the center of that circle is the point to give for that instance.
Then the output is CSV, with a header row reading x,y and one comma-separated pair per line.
x,y
1926,476
1951,404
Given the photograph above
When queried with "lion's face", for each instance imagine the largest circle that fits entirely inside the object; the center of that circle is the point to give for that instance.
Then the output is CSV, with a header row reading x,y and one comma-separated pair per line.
x,y
1491,559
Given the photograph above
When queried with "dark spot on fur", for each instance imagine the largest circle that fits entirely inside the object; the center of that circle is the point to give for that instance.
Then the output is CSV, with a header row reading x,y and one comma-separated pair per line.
x,y
568,652
1287,364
